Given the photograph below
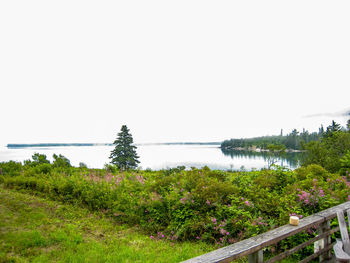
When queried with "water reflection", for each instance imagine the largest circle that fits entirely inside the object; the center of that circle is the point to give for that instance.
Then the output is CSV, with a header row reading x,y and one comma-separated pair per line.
x,y
288,159
158,157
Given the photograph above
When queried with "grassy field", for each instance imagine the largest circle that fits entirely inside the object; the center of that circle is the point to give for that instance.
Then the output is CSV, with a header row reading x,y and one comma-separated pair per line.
x,y
33,229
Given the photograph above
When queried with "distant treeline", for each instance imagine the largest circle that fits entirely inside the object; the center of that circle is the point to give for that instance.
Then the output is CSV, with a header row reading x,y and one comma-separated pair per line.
x,y
17,145
294,140
52,145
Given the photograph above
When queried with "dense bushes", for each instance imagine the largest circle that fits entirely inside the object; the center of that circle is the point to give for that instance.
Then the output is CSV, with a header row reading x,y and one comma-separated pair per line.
x,y
10,168
332,151
329,152
198,204
213,206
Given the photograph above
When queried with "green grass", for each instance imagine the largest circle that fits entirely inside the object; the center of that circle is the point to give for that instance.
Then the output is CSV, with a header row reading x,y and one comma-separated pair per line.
x,y
33,229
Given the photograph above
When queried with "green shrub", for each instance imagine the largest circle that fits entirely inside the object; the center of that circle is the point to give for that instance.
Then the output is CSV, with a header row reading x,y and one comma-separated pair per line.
x,y
11,168
214,206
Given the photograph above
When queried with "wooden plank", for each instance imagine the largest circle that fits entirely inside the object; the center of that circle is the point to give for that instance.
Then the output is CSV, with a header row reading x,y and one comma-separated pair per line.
x,y
301,246
344,232
315,255
331,213
325,227
257,257
339,252
254,244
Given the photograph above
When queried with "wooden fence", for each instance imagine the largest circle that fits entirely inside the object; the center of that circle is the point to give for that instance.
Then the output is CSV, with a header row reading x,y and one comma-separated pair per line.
x,y
253,247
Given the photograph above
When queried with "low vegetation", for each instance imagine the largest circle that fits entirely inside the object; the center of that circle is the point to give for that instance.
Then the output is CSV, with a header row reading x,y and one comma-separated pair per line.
x,y
198,205
33,229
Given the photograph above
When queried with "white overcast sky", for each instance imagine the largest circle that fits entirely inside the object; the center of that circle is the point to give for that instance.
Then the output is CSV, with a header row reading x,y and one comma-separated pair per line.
x,y
75,71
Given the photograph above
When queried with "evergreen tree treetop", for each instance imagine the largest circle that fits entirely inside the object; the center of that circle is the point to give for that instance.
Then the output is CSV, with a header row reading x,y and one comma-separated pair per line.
x,y
124,153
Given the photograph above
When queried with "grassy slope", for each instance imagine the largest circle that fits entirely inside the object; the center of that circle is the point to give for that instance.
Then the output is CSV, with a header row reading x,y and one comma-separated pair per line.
x,y
33,229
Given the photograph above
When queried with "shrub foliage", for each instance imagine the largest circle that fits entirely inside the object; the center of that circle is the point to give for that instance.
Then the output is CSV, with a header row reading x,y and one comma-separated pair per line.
x,y
210,205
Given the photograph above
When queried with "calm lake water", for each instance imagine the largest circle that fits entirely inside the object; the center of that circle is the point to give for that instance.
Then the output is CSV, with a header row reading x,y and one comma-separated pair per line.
x,y
157,156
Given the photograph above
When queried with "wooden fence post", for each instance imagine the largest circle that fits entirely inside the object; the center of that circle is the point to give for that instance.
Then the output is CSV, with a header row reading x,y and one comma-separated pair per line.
x,y
324,227
256,257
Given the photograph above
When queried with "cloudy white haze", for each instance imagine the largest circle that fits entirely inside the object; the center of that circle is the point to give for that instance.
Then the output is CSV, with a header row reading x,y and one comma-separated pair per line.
x,y
75,71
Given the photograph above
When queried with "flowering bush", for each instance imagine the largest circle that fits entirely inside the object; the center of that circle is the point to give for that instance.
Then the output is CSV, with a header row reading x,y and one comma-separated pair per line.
x,y
199,204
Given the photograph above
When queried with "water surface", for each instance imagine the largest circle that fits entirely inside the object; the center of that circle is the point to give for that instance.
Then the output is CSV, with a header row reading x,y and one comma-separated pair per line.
x,y
157,156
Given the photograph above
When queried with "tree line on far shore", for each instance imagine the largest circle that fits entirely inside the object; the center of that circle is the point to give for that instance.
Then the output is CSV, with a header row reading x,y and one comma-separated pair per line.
x,y
295,140
328,148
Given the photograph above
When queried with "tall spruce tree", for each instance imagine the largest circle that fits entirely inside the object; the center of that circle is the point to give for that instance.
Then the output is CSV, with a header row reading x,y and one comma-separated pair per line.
x,y
124,154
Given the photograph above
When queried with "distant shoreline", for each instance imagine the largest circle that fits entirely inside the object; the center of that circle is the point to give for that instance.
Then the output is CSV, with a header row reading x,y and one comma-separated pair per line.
x,y
25,145
22,145
255,149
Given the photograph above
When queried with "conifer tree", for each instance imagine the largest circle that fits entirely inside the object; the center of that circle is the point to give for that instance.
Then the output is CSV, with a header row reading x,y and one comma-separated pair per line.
x,y
124,154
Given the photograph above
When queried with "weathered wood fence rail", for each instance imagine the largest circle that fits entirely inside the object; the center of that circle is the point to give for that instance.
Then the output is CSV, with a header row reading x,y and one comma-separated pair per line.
x,y
253,247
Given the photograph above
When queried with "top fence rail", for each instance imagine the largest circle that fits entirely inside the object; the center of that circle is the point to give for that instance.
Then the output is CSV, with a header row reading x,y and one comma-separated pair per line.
x,y
253,246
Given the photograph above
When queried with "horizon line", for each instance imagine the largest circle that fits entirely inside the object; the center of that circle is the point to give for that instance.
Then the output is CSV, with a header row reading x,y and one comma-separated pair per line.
x,y
23,145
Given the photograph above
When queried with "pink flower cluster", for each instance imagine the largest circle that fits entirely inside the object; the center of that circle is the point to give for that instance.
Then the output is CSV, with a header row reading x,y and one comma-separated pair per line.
x,y
338,182
222,231
246,202
161,236
304,196
97,177
187,197
259,221
311,198
118,179
346,181
140,179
